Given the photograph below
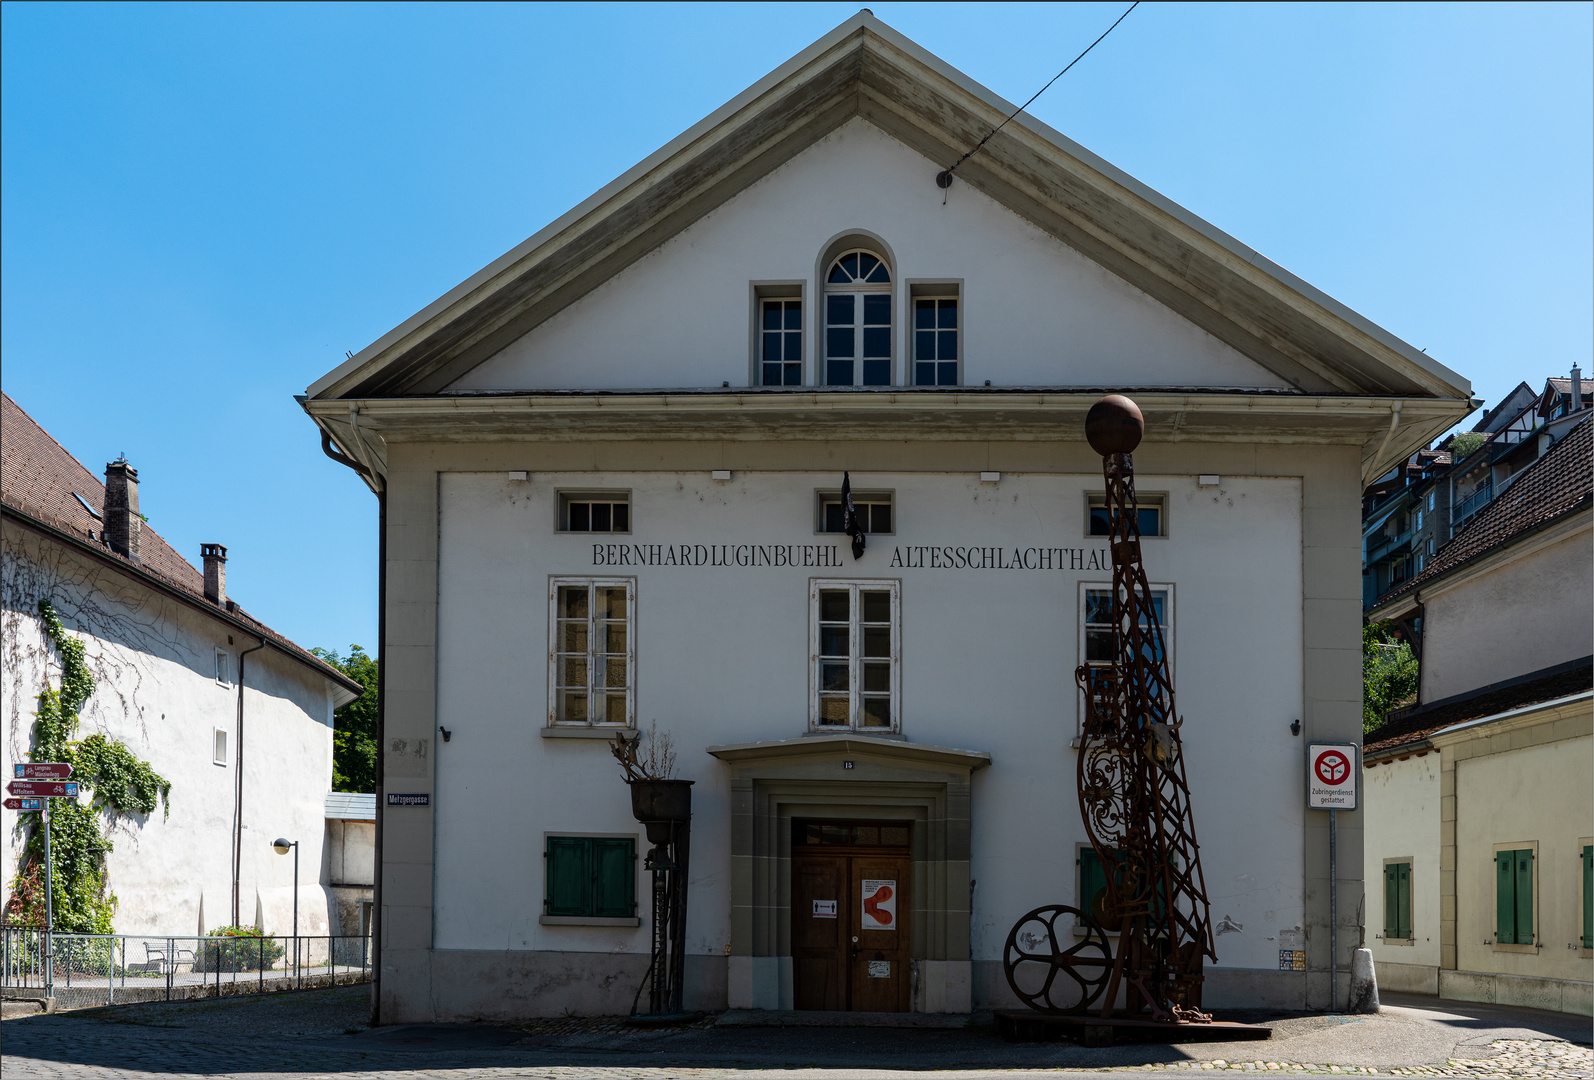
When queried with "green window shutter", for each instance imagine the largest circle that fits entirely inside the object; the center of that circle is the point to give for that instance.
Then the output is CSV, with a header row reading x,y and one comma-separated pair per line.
x,y
1403,900
1524,895
1505,907
1588,897
569,872
614,878
1391,900
1092,884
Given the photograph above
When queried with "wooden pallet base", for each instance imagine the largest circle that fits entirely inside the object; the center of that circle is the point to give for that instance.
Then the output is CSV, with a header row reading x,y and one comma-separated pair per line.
x,y
1093,1030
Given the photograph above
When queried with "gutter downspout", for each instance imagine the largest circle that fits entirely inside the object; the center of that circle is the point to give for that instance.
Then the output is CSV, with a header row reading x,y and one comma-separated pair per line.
x,y
238,803
1394,422
381,704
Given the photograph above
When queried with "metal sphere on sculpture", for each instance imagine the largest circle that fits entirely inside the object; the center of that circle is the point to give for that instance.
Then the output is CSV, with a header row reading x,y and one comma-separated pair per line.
x,y
1114,425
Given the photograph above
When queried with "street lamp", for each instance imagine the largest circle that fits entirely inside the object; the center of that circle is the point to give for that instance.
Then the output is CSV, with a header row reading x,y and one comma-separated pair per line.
x,y
281,846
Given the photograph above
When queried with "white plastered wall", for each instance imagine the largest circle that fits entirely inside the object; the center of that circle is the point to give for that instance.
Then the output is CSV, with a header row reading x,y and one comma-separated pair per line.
x,y
1401,807
1035,311
988,660
1473,631
154,661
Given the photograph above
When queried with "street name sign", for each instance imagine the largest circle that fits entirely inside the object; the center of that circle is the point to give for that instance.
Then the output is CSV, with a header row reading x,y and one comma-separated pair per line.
x,y
24,804
44,789
42,770
1331,776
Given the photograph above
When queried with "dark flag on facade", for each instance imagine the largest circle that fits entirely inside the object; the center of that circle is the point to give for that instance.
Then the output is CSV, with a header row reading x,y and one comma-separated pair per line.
x,y
850,519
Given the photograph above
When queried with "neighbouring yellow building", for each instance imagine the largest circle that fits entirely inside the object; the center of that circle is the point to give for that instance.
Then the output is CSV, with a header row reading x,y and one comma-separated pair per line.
x,y
1479,850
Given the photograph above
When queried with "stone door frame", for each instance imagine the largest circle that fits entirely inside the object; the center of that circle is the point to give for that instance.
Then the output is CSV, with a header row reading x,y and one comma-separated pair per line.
x,y
774,782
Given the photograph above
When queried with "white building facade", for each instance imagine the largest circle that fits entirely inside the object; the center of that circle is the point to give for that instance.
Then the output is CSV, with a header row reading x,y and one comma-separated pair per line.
x,y
236,717
609,467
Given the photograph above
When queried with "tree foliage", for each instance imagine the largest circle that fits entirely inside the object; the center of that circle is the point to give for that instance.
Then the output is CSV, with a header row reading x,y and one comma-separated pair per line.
x,y
1389,674
1466,443
116,783
354,724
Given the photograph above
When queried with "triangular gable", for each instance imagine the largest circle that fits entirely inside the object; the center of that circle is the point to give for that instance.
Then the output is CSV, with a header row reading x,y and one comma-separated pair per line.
x,y
865,68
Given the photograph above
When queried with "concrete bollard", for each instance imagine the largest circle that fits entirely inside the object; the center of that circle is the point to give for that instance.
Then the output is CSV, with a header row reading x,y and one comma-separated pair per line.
x,y
1363,983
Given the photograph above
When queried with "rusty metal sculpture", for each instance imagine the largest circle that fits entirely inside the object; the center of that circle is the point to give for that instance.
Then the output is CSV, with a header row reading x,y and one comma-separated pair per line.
x,y
1134,799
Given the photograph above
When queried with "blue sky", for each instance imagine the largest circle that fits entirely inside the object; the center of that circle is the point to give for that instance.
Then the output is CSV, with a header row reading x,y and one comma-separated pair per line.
x,y
203,207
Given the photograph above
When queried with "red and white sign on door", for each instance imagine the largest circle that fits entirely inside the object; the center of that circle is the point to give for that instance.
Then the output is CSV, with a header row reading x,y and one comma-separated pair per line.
x,y
1331,776
879,904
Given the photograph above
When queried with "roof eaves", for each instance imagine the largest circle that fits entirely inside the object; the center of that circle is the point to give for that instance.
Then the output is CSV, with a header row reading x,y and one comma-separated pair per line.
x,y
64,533
1335,318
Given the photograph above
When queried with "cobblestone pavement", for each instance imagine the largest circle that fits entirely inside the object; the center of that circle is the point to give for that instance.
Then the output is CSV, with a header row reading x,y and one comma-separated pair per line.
x,y
323,1033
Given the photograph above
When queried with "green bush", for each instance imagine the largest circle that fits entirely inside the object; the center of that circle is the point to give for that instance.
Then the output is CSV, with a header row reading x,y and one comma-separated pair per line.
x,y
237,948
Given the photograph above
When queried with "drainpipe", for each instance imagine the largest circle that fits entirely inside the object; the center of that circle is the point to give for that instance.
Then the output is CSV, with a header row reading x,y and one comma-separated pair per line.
x,y
1394,422
332,452
238,806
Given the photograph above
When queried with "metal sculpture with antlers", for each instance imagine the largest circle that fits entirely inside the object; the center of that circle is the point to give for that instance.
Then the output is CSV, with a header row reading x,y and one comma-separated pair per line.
x,y
1134,799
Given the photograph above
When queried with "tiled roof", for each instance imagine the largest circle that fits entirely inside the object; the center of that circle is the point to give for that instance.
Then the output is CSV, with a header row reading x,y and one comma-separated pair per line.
x,y
1417,725
38,479
1558,483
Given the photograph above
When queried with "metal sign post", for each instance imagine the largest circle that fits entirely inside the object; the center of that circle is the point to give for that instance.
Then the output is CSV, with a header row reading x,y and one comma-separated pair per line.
x,y
49,909
1332,779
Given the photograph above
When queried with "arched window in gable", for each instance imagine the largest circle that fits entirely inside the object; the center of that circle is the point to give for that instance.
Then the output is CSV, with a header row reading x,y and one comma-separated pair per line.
x,y
858,320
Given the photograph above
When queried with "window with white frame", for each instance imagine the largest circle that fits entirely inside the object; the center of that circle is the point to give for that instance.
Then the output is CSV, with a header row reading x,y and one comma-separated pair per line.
x,y
780,346
1096,626
855,681
592,652
858,321
1150,514
935,341
218,746
223,667
595,511
872,507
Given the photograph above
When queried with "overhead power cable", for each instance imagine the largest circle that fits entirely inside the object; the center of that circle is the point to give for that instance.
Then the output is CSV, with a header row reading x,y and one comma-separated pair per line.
x,y
944,178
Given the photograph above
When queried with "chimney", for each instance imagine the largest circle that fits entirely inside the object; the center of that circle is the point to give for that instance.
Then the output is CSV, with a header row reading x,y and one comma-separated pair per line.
x,y
123,526
215,557
1577,390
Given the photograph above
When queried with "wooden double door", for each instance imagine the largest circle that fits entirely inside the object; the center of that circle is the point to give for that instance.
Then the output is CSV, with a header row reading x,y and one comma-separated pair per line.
x,y
849,927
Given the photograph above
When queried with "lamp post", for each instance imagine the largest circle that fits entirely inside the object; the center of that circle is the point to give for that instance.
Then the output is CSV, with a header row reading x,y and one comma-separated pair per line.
x,y
281,846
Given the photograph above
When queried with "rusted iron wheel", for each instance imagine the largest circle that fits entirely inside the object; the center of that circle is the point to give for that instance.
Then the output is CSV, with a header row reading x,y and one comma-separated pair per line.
x,y
1057,959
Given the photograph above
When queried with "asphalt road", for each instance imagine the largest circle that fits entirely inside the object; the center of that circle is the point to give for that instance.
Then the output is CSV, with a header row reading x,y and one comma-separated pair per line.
x,y
323,1034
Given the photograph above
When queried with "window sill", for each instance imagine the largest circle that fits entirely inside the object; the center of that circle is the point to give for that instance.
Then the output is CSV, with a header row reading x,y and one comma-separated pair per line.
x,y
587,920
1530,949
572,732
871,733
1398,941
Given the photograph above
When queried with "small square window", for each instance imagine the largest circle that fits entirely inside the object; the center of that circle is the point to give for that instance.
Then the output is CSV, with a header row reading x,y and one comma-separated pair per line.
x,y
595,512
218,746
590,877
1151,514
223,667
874,510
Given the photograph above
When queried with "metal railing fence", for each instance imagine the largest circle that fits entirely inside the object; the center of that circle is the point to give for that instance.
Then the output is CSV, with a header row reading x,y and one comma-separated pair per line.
x,y
146,967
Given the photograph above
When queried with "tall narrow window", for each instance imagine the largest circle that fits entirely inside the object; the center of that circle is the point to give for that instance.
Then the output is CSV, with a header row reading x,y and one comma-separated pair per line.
x,y
592,653
781,342
1096,645
1587,855
1397,900
856,671
935,341
222,665
1513,917
858,321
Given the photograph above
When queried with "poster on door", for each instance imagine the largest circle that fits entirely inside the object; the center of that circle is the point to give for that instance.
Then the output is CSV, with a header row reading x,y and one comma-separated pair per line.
x,y
879,904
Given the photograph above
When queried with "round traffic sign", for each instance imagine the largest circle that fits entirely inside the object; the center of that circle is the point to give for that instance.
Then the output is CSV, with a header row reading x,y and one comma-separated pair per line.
x,y
1332,767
